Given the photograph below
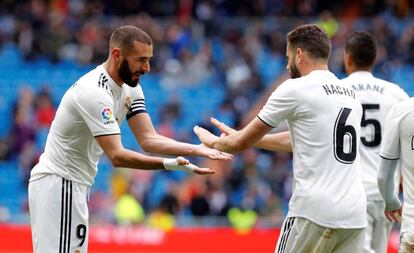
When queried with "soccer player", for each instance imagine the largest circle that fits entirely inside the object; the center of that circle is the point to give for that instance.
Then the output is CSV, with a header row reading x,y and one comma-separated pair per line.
x,y
85,126
398,145
327,211
377,97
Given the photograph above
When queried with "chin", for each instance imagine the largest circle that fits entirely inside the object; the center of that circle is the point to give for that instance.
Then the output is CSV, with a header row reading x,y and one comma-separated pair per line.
x,y
132,84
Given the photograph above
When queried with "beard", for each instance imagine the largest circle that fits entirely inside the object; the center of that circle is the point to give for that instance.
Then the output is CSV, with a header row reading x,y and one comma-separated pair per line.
x,y
126,74
294,71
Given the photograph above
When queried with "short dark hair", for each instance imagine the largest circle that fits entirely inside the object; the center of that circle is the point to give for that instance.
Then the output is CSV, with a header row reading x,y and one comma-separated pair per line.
x,y
362,48
125,36
312,39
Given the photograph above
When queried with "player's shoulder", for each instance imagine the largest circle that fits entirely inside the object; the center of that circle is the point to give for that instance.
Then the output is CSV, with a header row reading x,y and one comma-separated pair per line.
x,y
407,103
134,92
362,81
93,86
293,83
386,83
393,89
402,108
95,81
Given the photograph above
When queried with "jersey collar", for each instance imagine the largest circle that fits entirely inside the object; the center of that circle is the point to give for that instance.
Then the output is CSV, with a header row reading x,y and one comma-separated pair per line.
x,y
361,73
321,72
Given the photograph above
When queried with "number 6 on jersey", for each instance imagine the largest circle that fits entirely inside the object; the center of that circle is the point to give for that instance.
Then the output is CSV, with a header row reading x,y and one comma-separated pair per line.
x,y
345,139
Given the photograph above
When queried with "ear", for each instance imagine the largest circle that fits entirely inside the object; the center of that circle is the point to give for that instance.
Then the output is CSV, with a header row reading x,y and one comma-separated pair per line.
x,y
347,59
299,53
348,63
116,54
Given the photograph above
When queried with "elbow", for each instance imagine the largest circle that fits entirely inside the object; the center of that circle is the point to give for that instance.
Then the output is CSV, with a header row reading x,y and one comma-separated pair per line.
x,y
116,160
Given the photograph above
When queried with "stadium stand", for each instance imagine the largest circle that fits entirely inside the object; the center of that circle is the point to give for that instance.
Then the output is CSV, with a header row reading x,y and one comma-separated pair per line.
x,y
208,67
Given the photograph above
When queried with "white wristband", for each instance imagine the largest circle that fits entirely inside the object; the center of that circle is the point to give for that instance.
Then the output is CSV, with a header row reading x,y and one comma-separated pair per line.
x,y
171,164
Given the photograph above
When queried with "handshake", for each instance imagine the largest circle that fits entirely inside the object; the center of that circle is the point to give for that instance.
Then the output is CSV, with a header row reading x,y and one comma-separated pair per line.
x,y
204,149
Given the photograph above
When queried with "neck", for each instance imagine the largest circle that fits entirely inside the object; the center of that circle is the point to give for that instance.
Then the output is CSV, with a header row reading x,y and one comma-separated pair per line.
x,y
311,67
354,69
110,67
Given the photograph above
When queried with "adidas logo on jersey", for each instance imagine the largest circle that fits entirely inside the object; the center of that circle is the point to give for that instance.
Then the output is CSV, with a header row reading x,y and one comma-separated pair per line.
x,y
102,81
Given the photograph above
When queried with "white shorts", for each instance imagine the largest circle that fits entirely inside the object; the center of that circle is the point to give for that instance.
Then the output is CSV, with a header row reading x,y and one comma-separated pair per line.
x,y
58,215
378,229
299,235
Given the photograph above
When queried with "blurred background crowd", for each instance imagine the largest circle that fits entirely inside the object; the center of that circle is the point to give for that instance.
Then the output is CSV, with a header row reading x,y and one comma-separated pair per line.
x,y
216,58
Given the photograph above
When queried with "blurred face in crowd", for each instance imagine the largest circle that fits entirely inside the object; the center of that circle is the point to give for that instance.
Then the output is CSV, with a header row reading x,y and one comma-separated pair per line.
x,y
292,67
134,63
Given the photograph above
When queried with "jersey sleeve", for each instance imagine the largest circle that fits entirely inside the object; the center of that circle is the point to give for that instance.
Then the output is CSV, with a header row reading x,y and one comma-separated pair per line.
x,y
279,106
137,103
390,145
98,113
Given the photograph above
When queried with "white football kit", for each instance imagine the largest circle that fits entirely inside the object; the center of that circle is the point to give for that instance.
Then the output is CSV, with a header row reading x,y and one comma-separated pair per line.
x,y
398,143
377,97
324,116
94,106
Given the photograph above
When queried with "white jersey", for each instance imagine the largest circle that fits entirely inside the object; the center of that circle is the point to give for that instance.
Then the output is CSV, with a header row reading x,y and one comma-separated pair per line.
x,y
377,97
324,116
398,143
94,106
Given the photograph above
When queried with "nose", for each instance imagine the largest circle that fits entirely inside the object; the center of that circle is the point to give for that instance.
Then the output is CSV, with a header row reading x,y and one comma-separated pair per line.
x,y
146,67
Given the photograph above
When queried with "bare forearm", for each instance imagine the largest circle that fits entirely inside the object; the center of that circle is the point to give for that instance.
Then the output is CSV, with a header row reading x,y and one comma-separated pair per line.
x,y
130,159
162,145
276,142
235,141
229,144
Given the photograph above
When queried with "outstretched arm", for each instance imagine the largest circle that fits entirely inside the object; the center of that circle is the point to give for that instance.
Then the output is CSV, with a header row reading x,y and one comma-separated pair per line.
x,y
386,187
236,141
272,142
143,129
121,157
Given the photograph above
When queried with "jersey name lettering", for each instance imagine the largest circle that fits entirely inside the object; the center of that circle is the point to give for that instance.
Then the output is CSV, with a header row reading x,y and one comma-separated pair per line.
x,y
338,90
368,87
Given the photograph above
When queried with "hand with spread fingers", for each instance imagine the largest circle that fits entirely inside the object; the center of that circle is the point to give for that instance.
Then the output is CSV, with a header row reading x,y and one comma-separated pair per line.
x,y
180,163
225,129
205,136
208,152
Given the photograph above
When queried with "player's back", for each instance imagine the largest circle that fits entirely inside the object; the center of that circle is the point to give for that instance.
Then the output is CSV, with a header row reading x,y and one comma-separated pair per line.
x,y
325,129
377,97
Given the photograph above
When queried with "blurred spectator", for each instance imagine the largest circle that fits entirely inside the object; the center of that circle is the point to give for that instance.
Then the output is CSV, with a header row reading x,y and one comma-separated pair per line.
x,y
233,50
22,132
242,220
163,216
44,109
328,23
5,151
128,210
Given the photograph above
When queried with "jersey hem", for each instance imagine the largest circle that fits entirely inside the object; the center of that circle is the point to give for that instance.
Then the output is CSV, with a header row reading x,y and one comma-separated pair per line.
x,y
323,224
386,158
42,175
106,134
264,121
